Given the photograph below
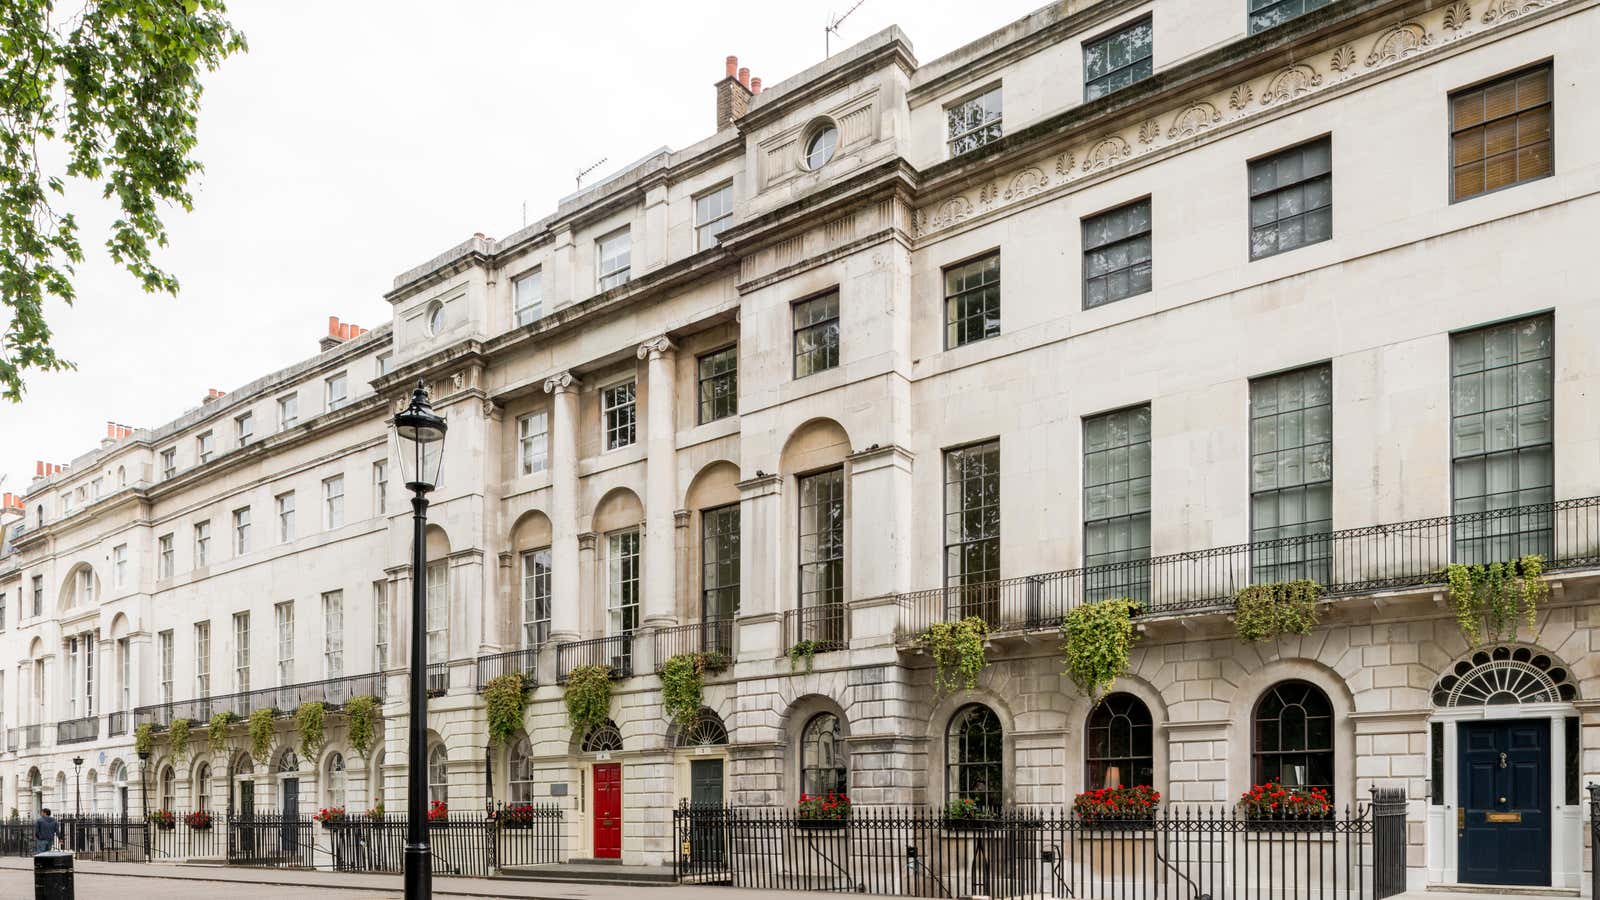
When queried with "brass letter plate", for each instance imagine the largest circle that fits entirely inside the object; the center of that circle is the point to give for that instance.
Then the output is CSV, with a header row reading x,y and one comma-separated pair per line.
x,y
1502,817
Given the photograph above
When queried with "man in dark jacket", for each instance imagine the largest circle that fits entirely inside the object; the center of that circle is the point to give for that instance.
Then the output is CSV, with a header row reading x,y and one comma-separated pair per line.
x,y
45,831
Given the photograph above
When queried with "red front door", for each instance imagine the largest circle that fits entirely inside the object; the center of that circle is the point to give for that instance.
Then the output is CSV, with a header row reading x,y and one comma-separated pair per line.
x,y
608,811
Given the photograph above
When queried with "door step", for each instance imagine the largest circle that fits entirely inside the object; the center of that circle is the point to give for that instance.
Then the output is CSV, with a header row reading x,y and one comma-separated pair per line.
x,y
1505,890
592,871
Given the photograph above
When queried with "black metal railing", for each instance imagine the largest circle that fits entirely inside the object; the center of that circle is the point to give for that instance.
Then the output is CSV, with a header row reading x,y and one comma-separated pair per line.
x,y
1351,561
287,698
283,840
32,736
615,651
522,662
188,835
1030,853
105,838
826,627
1594,839
117,723
713,635
1388,842
76,731
438,679
471,844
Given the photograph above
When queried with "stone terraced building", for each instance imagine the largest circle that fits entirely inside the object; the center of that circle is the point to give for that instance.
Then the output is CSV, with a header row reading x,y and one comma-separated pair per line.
x,y
1131,298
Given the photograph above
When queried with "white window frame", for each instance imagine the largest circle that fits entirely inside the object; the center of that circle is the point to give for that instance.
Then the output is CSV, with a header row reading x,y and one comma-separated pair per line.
x,y
533,442
169,463
333,634
202,659
380,626
202,543
285,505
164,556
336,388
616,610
119,567
288,411
619,269
950,140
380,487
438,612
526,310
385,363
241,531
164,654
241,651
333,502
283,626
608,408
244,427
205,446
721,214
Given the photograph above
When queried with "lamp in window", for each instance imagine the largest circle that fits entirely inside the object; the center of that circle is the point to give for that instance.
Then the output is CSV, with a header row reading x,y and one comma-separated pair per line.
x,y
419,442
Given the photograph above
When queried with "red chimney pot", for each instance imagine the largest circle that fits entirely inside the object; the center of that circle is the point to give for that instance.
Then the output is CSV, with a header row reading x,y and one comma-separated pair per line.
x,y
755,85
744,77
733,65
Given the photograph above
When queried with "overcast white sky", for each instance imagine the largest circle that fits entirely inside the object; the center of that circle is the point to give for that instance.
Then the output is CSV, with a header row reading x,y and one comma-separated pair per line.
x,y
356,140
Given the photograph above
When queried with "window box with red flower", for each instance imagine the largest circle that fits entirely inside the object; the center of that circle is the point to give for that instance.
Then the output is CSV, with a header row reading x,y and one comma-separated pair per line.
x,y
438,812
1273,807
330,816
823,812
516,816
199,820
164,819
965,815
1117,807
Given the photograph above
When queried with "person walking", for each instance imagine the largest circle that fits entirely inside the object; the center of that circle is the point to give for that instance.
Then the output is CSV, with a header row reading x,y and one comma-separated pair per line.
x,y
45,832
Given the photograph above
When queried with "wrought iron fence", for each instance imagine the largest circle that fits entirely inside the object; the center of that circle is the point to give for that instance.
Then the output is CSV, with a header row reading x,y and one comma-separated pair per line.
x,y
472,844
713,635
117,723
192,835
287,698
1351,561
827,627
32,736
76,731
1186,854
523,662
107,838
284,840
615,651
438,679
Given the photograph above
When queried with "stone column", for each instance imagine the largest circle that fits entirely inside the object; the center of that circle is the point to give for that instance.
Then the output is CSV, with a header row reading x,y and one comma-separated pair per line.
x,y
879,553
760,567
563,390
661,486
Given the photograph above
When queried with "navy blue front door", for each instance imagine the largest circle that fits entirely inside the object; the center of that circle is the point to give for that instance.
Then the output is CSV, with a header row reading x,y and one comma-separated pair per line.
x,y
1504,824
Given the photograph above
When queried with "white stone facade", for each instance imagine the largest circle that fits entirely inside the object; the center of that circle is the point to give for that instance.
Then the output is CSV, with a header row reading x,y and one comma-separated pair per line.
x,y
1380,302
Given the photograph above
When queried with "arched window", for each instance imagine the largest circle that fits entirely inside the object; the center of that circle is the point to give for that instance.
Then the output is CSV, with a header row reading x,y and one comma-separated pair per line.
x,y
705,729
1293,736
36,789
1119,744
335,780
289,764
823,766
202,787
169,788
438,775
974,757
122,476
603,738
519,772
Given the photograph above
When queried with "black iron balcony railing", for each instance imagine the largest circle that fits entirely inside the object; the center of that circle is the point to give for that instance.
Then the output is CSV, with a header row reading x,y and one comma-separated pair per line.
x,y
713,635
286,699
826,627
438,679
615,651
32,736
76,731
524,662
1352,561
117,723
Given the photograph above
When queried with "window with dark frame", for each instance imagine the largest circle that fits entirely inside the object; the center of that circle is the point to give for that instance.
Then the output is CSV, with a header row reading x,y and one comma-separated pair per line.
x,y
713,213
821,551
972,530
1117,60
719,563
718,375
1502,409
1291,475
1116,504
1119,748
1501,133
1293,737
1266,14
1116,254
973,122
1291,198
972,300
823,768
617,414
816,334
974,758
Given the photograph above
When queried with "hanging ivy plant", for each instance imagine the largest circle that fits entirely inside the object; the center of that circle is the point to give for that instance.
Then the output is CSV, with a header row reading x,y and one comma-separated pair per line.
x,y
588,697
958,652
260,728
505,700
363,714
217,731
682,685
308,721
1492,600
144,738
1096,640
179,732
803,650
1265,611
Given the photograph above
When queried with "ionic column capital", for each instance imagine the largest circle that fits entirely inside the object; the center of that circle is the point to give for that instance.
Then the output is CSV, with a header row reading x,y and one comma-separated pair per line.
x,y
561,382
656,347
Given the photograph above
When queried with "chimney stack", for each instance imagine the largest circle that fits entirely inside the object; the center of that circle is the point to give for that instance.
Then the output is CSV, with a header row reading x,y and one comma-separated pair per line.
x,y
9,500
755,86
116,432
213,395
339,332
42,469
733,93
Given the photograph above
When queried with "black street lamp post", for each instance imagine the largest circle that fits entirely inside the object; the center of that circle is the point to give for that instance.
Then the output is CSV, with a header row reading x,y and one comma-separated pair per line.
x,y
419,440
77,792
144,784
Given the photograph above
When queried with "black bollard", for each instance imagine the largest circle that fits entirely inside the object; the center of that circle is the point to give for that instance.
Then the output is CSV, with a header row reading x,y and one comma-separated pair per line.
x,y
52,876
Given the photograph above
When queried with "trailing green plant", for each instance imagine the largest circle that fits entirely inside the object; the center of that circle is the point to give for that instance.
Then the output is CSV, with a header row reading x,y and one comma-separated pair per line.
x,y
362,713
217,731
144,738
1265,611
260,729
803,650
178,731
308,720
682,683
958,652
1096,640
588,697
505,699
1492,600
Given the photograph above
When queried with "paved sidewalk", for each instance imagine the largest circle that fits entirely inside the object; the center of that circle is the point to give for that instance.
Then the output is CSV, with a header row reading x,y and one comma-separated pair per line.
x,y
154,881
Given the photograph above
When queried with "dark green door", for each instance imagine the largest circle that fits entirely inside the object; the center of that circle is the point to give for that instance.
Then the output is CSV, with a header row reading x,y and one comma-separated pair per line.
x,y
705,792
1504,780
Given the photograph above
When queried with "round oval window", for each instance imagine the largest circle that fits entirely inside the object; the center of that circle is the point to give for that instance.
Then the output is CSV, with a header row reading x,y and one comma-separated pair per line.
x,y
436,318
820,148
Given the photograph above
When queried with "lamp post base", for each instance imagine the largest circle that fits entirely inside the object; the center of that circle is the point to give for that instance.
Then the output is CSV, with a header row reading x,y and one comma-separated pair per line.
x,y
418,872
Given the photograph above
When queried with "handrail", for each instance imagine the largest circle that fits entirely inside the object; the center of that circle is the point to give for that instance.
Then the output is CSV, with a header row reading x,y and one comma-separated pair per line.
x,y
712,635
1345,562
615,651
524,662
76,731
286,698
